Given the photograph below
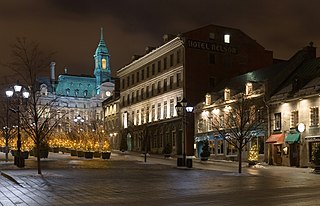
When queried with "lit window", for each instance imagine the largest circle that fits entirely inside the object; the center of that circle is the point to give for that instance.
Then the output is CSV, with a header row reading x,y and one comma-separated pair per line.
x,y
104,63
165,109
226,94
277,121
227,38
314,116
208,99
171,107
249,88
294,118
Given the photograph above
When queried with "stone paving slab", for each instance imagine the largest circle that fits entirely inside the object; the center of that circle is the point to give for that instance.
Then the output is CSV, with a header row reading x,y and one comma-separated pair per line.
x,y
127,180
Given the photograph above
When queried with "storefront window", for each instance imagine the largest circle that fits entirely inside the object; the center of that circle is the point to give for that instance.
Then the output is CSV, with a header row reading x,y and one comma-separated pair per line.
x,y
259,142
231,150
312,148
212,147
220,147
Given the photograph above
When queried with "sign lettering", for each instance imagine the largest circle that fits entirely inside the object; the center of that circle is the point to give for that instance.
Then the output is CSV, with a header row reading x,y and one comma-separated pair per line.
x,y
215,47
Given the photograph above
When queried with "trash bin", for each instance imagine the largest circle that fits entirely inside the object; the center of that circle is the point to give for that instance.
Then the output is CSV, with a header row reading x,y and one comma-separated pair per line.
x,y
180,162
189,163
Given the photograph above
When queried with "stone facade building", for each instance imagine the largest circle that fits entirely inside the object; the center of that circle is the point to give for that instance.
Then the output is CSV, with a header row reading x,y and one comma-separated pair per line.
x,y
185,66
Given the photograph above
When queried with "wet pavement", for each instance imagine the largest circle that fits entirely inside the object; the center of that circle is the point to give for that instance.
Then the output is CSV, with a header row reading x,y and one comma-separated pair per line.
x,y
126,179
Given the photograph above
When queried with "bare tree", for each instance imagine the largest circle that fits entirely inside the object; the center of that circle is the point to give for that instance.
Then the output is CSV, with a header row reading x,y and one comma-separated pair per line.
x,y
40,116
239,121
6,121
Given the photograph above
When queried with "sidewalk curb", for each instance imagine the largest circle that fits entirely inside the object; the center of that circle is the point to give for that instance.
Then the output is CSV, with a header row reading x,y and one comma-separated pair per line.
x,y
10,178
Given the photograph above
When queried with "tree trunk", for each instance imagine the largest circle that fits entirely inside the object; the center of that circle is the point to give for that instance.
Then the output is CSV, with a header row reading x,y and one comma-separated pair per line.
x,y
38,159
240,160
7,148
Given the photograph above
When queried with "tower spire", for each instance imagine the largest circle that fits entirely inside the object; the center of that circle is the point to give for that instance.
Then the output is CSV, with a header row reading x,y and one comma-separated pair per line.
x,y
101,34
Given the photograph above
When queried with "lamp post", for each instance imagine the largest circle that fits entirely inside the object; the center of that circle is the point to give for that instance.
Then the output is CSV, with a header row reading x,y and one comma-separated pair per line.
x,y
78,119
21,93
9,93
183,107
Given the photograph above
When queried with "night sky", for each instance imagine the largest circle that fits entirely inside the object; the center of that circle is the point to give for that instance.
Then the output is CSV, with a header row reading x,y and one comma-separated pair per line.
x,y
71,28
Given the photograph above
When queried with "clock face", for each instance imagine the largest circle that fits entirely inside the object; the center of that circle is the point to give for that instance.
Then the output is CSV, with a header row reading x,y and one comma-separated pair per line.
x,y
301,127
108,93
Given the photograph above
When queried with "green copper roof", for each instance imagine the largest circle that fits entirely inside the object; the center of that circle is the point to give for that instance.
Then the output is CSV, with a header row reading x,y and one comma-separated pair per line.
x,y
102,48
76,86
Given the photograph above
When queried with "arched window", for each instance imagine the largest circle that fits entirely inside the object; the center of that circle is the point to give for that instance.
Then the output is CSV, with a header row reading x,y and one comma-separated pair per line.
x,y
104,63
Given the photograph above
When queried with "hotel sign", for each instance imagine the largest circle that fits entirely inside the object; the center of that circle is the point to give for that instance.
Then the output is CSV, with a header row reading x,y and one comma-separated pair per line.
x,y
215,47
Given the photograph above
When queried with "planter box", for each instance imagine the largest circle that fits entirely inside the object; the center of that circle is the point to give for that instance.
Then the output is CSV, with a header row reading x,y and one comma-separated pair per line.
x,y
97,154
43,153
25,154
88,155
73,152
204,158
105,155
316,169
55,149
166,155
80,153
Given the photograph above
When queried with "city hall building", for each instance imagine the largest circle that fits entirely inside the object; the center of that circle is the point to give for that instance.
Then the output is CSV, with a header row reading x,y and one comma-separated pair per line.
x,y
80,96
184,67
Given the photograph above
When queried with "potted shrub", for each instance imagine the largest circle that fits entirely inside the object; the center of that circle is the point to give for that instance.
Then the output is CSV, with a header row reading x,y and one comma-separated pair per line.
x,y
167,150
96,148
105,154
205,154
88,153
316,159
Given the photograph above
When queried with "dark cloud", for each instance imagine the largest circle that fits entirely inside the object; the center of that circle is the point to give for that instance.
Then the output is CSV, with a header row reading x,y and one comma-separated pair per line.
x,y
71,27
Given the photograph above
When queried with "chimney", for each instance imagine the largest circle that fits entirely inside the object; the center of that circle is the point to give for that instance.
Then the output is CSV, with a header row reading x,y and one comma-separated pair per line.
x,y
149,49
167,37
135,57
311,51
52,71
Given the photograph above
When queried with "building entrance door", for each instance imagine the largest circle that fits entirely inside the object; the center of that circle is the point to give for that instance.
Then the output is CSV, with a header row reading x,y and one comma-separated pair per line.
x,y
129,142
277,152
294,155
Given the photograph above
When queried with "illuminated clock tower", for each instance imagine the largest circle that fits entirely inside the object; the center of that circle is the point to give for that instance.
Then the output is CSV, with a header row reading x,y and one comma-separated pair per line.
x,y
102,70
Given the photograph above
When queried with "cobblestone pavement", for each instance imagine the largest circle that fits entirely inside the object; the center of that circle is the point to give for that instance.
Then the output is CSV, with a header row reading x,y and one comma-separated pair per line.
x,y
127,180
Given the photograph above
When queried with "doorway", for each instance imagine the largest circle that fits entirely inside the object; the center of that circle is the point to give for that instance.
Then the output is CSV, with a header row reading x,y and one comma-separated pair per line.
x,y
294,155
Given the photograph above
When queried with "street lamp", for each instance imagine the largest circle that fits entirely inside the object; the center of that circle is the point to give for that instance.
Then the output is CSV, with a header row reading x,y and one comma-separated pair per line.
x,y
183,107
21,93
78,119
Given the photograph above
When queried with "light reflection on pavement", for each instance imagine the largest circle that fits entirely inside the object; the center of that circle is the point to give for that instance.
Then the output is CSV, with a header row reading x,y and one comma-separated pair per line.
x,y
126,180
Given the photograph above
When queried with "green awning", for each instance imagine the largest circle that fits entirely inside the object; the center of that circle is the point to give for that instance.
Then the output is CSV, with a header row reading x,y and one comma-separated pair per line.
x,y
292,138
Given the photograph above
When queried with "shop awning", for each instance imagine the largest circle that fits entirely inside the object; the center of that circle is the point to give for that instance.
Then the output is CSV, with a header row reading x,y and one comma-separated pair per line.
x,y
312,138
293,138
276,139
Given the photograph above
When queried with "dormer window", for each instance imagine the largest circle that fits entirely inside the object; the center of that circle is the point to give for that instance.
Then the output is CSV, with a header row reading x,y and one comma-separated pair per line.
x,y
226,94
76,92
208,99
249,88
44,90
68,92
